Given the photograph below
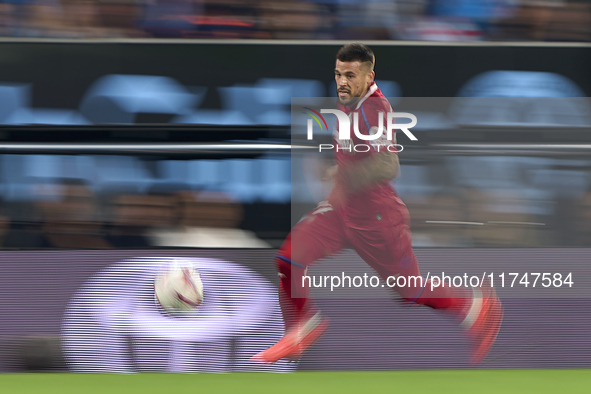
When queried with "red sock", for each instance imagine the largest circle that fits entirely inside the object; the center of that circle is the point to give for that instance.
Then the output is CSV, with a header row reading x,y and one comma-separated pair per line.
x,y
454,300
293,300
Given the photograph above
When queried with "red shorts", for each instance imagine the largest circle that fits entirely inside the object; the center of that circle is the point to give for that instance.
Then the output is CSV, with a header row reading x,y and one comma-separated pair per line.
x,y
381,236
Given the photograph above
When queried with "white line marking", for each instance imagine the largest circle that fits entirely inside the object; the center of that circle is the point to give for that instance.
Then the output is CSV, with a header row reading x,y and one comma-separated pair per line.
x,y
453,222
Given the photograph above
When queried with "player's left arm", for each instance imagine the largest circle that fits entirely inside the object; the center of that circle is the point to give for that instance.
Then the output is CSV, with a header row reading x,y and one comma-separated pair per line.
x,y
380,166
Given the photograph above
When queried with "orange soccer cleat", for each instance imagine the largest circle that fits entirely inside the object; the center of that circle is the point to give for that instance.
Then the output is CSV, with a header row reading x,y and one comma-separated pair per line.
x,y
295,342
483,322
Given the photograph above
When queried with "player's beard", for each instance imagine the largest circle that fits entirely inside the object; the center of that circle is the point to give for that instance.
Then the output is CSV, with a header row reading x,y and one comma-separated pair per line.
x,y
348,101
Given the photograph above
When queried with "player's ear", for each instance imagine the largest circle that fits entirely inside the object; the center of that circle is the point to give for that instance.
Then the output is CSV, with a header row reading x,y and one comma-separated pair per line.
x,y
372,76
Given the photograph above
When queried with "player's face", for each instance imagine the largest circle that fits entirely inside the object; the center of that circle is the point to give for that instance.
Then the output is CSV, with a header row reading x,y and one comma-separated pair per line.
x,y
353,80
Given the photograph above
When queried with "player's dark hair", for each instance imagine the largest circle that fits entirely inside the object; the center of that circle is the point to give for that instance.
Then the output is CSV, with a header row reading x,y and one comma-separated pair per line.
x,y
356,52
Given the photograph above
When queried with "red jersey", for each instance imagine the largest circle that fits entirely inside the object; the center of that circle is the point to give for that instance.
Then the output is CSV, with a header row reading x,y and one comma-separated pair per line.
x,y
365,203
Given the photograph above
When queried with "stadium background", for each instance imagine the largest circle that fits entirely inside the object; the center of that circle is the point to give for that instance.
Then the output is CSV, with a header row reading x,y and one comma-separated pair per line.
x,y
157,92
130,85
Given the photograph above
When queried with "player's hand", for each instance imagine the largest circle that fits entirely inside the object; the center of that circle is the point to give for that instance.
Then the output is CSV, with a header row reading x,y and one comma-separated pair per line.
x,y
329,174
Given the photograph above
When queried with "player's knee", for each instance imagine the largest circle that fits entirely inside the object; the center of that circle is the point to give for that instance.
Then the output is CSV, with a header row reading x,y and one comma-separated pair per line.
x,y
285,266
282,266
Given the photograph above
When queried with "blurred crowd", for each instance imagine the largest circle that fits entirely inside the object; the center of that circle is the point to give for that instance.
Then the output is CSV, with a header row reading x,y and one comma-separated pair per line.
x,y
435,20
68,214
538,203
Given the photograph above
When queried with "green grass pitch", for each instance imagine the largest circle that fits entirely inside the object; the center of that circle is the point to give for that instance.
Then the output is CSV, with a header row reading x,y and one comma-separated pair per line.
x,y
407,382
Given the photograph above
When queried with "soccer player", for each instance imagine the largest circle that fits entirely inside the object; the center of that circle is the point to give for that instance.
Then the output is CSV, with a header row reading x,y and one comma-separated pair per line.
x,y
364,212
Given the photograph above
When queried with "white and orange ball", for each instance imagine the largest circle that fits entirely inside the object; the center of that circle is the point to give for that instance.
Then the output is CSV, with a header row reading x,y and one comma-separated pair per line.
x,y
179,289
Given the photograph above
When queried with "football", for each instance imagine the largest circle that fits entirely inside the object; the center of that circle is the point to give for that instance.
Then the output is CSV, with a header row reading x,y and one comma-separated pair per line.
x,y
178,289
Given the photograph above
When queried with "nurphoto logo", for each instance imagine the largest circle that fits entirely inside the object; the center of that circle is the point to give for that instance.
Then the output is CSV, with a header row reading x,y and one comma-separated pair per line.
x,y
379,137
